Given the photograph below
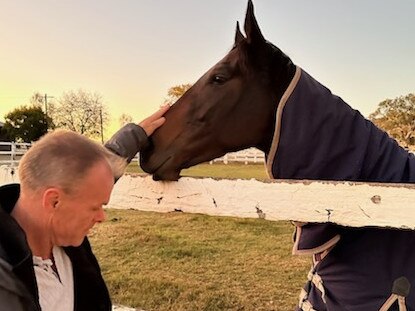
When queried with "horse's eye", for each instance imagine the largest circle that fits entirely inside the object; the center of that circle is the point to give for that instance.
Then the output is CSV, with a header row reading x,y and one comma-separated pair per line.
x,y
217,79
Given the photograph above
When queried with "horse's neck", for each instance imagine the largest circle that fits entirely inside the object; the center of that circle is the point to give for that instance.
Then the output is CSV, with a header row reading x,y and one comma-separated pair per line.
x,y
282,76
318,136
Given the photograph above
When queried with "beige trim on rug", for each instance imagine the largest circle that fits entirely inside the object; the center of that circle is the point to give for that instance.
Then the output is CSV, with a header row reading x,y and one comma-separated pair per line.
x,y
319,249
391,300
281,105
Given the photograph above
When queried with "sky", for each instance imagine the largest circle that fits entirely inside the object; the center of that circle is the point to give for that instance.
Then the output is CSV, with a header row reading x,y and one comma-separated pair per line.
x,y
132,51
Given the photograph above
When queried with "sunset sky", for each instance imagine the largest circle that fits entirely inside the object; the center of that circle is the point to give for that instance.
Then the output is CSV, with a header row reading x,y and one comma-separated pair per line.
x,y
132,51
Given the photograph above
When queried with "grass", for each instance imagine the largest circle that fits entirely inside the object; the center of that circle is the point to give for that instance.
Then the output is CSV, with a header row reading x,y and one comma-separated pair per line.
x,y
231,170
179,261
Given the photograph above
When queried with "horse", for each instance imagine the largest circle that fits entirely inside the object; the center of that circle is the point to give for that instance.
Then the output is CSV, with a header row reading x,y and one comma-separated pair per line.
x,y
257,97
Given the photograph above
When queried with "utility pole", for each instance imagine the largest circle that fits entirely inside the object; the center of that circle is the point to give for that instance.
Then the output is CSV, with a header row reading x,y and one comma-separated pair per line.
x,y
102,127
46,103
46,108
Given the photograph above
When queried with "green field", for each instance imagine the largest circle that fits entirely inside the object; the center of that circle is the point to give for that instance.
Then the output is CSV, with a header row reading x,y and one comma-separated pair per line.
x,y
180,261
231,170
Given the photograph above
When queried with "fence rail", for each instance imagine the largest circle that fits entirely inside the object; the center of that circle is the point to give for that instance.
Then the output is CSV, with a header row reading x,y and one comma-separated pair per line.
x,y
251,155
11,152
345,203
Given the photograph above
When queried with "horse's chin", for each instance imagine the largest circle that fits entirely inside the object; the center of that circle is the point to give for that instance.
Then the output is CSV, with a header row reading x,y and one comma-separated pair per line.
x,y
166,176
169,168
163,170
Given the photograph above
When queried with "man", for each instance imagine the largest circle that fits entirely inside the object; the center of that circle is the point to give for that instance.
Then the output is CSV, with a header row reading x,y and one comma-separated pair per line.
x,y
46,262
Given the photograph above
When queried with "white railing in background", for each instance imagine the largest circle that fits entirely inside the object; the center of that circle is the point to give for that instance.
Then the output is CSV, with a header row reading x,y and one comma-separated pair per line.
x,y
251,155
11,152
247,156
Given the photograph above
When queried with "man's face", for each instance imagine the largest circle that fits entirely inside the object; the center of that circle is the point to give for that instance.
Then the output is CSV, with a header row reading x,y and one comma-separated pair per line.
x,y
78,212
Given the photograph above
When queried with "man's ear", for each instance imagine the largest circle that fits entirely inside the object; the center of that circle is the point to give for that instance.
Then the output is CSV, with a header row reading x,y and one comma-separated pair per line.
x,y
51,197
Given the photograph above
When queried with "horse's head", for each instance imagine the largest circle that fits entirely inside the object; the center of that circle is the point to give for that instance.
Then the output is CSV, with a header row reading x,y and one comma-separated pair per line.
x,y
231,107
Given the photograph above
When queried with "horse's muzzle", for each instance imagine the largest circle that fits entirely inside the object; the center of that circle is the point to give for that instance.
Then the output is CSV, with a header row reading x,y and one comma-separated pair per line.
x,y
160,168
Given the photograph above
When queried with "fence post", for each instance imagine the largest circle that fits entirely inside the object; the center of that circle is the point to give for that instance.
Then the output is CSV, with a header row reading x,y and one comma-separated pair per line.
x,y
12,152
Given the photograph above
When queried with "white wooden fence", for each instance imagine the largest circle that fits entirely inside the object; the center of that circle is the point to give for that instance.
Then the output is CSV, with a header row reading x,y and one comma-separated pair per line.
x,y
345,203
247,156
251,155
11,152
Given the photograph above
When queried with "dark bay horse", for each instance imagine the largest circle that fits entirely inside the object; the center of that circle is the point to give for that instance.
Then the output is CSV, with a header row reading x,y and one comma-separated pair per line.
x,y
257,97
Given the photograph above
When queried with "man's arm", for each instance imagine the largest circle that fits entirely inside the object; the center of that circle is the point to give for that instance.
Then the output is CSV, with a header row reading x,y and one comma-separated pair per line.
x,y
127,141
132,138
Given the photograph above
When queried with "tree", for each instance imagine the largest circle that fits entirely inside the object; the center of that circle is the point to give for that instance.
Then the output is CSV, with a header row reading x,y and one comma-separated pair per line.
x,y
125,119
39,100
175,92
81,112
397,118
26,124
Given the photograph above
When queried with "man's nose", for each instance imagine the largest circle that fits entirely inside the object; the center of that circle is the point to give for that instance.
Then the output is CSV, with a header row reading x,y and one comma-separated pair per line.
x,y
101,216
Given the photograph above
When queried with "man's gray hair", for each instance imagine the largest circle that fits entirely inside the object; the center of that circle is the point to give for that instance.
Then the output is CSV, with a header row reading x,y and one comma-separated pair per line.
x,y
61,159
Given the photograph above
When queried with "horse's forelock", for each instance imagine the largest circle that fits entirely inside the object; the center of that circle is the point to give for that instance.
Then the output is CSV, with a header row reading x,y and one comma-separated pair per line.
x,y
267,60
243,57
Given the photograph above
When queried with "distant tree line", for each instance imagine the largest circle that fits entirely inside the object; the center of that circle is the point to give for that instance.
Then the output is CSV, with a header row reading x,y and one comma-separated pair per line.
x,y
79,111
175,92
397,117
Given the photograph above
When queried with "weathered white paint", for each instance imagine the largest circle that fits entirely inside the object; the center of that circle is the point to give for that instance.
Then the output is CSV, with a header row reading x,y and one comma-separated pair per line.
x,y
344,203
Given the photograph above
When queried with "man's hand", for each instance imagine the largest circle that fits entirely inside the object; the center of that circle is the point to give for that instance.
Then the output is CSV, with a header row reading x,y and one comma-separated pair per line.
x,y
153,122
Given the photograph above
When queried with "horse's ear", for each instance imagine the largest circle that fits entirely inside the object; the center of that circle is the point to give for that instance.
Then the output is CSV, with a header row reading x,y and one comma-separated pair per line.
x,y
238,35
253,33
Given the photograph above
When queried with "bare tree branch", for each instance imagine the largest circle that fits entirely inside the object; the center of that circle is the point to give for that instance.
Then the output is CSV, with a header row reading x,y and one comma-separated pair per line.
x,y
81,111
